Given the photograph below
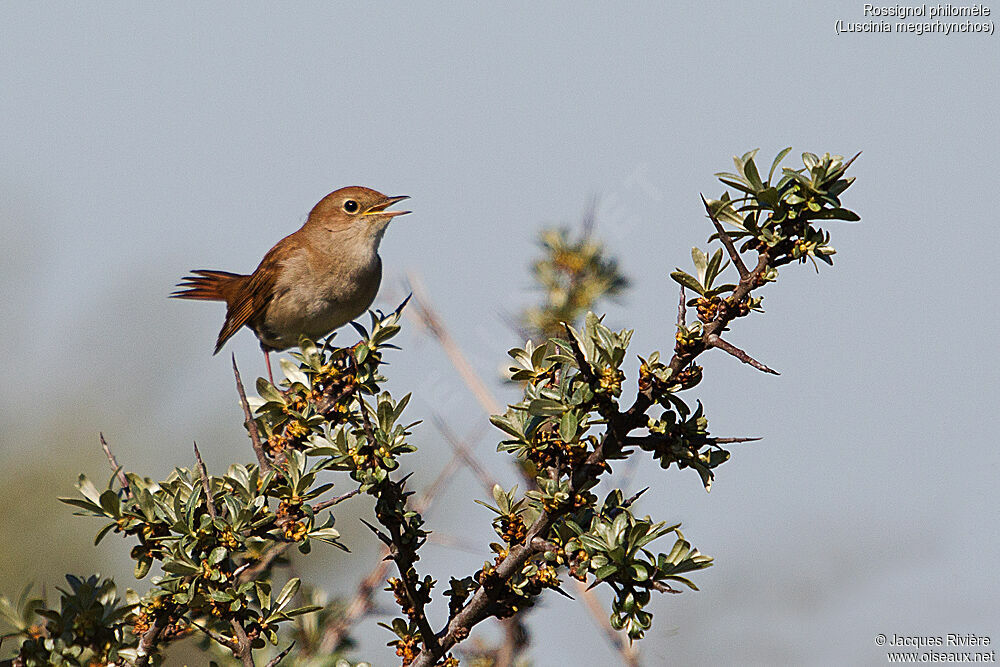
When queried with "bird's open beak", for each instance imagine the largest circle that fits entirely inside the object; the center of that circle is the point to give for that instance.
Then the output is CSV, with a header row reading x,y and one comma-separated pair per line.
x,y
379,208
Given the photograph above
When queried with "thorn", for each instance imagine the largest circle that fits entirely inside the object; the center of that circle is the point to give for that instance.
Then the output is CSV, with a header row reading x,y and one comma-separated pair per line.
x,y
278,658
851,161
209,501
713,340
729,441
631,501
122,479
378,533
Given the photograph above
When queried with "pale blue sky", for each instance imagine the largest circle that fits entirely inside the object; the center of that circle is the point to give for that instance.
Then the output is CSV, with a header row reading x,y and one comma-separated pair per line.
x,y
141,141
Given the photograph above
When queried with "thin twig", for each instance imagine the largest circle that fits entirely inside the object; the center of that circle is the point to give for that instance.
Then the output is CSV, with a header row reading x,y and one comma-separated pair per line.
x,y
122,478
264,562
729,441
682,310
319,507
425,314
209,500
631,500
251,423
662,587
273,662
480,604
217,637
713,340
727,241
367,422
464,453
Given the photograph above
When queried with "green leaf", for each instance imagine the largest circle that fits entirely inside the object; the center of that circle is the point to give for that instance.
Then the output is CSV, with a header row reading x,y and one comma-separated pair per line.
x,y
567,426
83,504
268,391
287,592
292,372
104,531
142,566
325,534
545,407
110,503
688,281
750,169
837,214
87,488
180,567
700,263
777,161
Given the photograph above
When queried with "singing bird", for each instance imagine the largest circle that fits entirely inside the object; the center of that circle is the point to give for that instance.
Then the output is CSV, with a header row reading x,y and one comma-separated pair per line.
x,y
311,282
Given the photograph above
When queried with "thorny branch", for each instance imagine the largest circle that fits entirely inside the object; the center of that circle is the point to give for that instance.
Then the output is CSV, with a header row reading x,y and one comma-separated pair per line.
x,y
119,472
427,315
147,643
713,340
243,650
251,423
727,241
619,425
209,501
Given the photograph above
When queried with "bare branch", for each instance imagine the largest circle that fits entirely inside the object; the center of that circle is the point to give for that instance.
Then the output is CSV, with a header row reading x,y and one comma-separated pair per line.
x,y
366,421
631,500
662,587
122,479
464,453
243,650
273,662
319,507
682,309
217,637
251,423
457,543
425,314
727,241
713,340
147,643
539,544
250,572
209,501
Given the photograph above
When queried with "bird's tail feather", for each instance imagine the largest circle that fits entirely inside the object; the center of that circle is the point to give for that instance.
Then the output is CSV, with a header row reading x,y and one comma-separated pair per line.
x,y
209,286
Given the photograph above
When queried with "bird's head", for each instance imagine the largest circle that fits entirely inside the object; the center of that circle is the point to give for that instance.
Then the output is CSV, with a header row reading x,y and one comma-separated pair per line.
x,y
356,211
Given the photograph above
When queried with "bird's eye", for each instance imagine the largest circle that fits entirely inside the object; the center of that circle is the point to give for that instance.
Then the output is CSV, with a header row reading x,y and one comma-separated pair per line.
x,y
351,206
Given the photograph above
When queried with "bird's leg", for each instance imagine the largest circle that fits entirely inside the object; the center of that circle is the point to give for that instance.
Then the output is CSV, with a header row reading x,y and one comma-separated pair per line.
x,y
267,360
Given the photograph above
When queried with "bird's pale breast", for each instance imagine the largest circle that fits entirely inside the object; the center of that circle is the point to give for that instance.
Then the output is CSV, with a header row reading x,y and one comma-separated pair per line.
x,y
316,295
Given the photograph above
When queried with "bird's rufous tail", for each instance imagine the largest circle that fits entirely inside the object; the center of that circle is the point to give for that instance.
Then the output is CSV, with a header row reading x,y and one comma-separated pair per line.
x,y
209,286
206,285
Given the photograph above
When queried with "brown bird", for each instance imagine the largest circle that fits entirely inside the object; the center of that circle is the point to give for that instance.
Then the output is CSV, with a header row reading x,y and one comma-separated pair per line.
x,y
312,281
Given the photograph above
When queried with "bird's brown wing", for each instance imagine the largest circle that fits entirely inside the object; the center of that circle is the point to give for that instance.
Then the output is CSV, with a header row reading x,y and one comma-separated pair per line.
x,y
250,304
